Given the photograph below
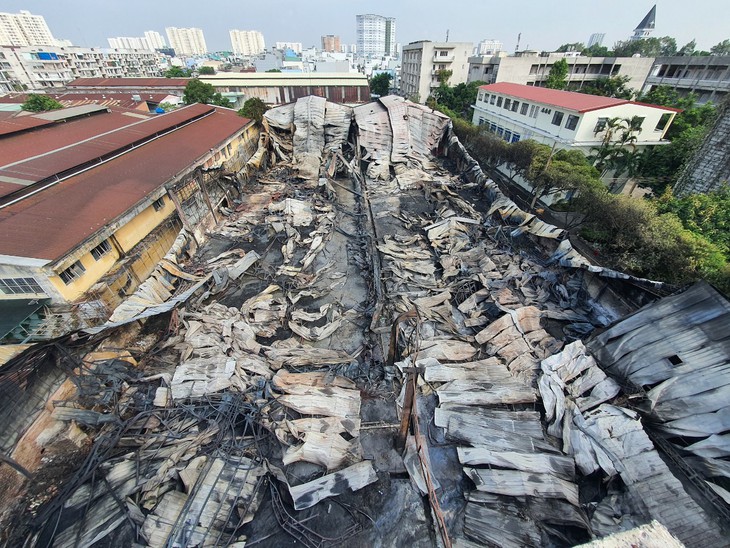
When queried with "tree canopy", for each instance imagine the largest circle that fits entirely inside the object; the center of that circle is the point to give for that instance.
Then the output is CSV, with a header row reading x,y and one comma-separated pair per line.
x,y
206,70
380,84
721,48
40,103
253,108
611,86
177,72
558,75
457,99
201,92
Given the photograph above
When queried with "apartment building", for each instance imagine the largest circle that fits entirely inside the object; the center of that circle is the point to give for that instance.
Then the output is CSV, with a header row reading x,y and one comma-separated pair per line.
x,y
296,47
422,61
247,42
533,69
38,68
376,35
707,77
186,41
331,43
154,40
24,29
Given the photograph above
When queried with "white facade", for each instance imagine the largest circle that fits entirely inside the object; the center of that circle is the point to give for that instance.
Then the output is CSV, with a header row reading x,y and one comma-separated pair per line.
x,y
247,42
24,29
422,61
35,68
596,39
128,42
296,47
564,119
154,39
488,47
186,41
376,36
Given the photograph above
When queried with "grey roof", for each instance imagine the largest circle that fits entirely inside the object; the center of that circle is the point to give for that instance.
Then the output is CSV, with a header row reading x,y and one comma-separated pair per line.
x,y
649,20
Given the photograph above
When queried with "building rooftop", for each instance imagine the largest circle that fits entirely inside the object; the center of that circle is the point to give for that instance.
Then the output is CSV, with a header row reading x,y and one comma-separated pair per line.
x,y
128,82
570,100
50,223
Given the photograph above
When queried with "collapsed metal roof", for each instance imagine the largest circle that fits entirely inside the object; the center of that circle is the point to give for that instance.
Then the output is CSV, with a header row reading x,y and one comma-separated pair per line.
x,y
362,297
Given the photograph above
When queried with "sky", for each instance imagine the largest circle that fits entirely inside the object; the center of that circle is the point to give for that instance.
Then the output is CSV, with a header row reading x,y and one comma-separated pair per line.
x,y
544,25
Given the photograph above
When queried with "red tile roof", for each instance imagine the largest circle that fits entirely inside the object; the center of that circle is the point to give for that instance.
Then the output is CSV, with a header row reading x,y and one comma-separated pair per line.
x,y
53,222
569,100
39,166
129,82
54,135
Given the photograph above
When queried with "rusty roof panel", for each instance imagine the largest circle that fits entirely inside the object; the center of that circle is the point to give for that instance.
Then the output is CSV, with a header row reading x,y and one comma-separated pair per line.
x,y
18,124
129,82
42,166
51,223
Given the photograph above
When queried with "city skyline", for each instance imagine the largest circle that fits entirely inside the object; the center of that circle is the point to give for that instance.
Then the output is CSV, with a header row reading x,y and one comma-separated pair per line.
x,y
542,26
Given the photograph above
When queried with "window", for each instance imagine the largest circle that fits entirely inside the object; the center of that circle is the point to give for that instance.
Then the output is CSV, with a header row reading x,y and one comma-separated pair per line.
x,y
492,99
572,122
507,104
507,135
523,111
637,122
481,121
663,121
15,286
600,125
515,106
533,111
500,131
557,118
481,96
443,53
493,128
100,250
499,101
515,137
159,203
74,271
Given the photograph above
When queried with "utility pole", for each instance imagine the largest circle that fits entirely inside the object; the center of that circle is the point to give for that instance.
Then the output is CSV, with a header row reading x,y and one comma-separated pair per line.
x,y
517,47
447,35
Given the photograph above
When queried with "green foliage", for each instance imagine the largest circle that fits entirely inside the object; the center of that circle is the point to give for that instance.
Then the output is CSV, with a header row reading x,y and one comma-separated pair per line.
x,y
688,49
40,103
597,51
254,108
457,100
177,72
273,70
572,46
380,84
558,76
721,48
201,92
612,86
167,107
443,76
206,70
665,46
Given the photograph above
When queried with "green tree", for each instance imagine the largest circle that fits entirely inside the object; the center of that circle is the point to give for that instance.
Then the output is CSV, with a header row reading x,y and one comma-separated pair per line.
x,y
177,72
572,46
380,84
597,51
721,48
664,46
206,71
273,70
688,49
167,107
612,86
558,75
254,108
458,99
40,103
201,92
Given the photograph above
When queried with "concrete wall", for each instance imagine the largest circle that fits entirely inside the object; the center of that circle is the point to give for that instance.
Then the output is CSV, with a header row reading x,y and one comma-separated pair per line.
x,y
707,77
422,60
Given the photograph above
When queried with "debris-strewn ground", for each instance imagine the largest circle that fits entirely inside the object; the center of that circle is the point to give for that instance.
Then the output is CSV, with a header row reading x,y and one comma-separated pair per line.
x,y
266,409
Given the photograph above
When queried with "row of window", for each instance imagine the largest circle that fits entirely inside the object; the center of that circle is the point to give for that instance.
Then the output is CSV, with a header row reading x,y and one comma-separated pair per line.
x,y
531,111
19,286
506,134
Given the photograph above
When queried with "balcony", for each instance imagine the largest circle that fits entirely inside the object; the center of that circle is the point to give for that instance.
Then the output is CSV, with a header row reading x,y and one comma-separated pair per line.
x,y
444,58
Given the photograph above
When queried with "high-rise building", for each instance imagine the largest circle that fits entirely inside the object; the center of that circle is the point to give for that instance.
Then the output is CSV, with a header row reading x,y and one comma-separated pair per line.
x,y
247,42
296,47
331,43
646,27
596,39
488,47
154,39
128,42
376,35
24,29
189,41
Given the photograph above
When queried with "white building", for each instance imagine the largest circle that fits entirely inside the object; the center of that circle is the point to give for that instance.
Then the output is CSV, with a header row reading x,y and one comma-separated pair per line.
x,y
596,39
646,26
128,42
186,41
24,29
154,39
247,42
565,119
422,61
296,47
488,47
38,68
376,36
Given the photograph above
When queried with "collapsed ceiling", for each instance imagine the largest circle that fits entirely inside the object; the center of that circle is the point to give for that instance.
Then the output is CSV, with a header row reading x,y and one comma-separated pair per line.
x,y
374,347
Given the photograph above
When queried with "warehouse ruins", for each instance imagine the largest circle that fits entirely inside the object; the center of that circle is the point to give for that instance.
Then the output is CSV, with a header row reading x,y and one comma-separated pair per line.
x,y
374,347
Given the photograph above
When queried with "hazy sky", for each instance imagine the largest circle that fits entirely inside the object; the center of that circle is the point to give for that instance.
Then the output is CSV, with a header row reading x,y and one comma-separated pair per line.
x,y
544,24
